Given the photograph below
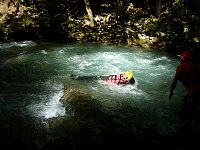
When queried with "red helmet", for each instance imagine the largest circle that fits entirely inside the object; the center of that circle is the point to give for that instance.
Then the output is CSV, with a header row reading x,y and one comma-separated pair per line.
x,y
186,55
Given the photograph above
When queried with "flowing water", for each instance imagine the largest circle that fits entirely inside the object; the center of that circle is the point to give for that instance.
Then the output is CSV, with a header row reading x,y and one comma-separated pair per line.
x,y
33,78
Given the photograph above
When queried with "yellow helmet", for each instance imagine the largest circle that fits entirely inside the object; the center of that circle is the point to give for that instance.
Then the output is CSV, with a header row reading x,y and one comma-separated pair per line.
x,y
128,74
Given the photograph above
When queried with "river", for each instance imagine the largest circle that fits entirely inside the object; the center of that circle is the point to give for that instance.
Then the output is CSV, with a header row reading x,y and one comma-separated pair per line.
x,y
33,78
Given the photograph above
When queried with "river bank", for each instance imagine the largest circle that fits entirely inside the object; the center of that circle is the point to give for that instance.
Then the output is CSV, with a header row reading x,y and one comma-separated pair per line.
x,y
41,22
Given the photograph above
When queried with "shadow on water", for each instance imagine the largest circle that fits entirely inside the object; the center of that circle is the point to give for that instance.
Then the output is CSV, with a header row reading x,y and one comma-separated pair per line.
x,y
41,107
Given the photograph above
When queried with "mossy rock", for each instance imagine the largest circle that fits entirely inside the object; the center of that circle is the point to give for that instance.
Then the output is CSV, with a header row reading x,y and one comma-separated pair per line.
x,y
80,102
75,95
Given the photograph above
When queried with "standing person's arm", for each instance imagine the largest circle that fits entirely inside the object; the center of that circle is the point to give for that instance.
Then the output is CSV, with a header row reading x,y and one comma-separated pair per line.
x,y
173,86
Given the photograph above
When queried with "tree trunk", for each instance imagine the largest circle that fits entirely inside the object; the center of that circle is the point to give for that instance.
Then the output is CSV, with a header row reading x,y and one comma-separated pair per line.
x,y
158,7
147,3
118,5
89,12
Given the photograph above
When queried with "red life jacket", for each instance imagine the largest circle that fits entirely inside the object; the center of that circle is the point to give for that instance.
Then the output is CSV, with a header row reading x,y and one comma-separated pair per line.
x,y
118,79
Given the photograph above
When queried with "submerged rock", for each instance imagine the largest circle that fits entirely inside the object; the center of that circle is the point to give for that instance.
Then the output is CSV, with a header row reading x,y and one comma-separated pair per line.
x,y
75,95
79,101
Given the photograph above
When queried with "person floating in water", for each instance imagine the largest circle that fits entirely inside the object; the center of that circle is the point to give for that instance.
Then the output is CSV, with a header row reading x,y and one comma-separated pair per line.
x,y
126,77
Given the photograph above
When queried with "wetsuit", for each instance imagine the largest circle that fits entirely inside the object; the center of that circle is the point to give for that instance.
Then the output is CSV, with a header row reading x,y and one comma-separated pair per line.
x,y
117,79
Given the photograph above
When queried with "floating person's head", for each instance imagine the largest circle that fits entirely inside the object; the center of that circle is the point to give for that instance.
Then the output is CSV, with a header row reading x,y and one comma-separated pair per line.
x,y
128,75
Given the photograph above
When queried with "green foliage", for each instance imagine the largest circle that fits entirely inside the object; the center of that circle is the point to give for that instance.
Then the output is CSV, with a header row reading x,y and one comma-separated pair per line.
x,y
177,23
59,20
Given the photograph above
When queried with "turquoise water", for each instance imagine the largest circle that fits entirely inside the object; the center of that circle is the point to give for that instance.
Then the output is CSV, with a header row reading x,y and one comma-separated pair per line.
x,y
33,78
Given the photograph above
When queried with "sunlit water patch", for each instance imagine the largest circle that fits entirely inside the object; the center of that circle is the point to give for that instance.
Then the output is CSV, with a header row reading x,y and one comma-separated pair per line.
x,y
17,44
49,105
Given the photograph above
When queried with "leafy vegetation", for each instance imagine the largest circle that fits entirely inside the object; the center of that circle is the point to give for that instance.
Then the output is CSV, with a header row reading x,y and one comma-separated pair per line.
x,y
159,24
